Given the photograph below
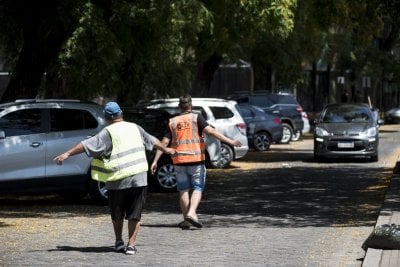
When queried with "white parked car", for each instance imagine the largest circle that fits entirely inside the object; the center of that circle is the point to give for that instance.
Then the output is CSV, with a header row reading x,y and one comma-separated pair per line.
x,y
220,113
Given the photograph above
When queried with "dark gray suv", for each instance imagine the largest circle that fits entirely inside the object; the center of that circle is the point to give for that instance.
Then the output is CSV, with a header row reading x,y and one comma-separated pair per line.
x,y
284,106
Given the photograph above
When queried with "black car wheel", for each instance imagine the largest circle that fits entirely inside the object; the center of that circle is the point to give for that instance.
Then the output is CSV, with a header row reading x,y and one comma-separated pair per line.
x,y
261,141
226,157
287,133
164,178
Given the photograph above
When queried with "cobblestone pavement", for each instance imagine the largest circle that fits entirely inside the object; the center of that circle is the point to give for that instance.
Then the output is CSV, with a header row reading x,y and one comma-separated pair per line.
x,y
277,208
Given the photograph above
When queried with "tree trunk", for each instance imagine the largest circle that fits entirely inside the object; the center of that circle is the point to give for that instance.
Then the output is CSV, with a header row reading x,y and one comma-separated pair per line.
x,y
43,34
204,76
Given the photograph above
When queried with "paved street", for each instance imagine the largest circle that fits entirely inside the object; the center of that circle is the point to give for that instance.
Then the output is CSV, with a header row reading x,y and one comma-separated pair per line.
x,y
277,208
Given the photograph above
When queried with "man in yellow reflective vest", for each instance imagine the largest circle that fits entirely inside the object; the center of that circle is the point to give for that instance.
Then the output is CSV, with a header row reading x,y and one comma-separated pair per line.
x,y
119,160
185,135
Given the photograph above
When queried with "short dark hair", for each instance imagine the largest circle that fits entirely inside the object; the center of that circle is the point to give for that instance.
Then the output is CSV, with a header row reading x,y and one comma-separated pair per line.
x,y
185,102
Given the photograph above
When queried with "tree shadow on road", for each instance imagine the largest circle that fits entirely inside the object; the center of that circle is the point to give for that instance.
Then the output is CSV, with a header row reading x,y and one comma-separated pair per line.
x,y
348,193
301,193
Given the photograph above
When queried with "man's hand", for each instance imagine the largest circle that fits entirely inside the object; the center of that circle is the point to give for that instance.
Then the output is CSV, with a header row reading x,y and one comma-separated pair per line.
x,y
170,151
77,149
236,143
60,159
153,168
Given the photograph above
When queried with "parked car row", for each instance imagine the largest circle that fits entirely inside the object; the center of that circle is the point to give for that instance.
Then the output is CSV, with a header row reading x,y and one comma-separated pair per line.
x,y
283,106
33,132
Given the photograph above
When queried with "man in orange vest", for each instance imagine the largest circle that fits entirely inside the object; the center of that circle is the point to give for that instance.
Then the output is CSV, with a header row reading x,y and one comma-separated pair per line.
x,y
185,135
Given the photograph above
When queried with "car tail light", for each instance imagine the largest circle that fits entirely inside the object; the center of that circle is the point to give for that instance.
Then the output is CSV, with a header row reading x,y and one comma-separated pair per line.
x,y
242,128
277,120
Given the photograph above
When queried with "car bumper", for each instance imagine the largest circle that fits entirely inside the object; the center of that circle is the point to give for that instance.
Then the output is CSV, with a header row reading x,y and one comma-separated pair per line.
x,y
343,148
240,152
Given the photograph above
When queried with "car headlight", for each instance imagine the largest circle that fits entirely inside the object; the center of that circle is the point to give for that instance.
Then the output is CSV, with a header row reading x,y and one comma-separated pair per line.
x,y
321,132
371,132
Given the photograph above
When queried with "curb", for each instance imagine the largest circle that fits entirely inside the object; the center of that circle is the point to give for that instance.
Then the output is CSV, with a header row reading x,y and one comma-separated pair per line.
x,y
390,213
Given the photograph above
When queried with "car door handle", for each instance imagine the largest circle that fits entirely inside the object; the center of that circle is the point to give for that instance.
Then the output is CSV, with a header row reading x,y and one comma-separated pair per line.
x,y
275,111
36,144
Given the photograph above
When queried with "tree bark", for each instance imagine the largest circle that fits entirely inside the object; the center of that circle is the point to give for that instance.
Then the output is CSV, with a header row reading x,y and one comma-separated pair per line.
x,y
43,33
205,75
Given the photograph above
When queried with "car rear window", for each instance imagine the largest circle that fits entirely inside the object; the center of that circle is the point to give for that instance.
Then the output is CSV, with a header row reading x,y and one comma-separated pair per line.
x,y
71,119
153,123
21,122
221,112
259,100
196,109
246,112
283,99
267,100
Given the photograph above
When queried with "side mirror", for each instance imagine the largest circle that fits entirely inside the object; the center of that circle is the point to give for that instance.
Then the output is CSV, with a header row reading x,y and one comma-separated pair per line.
x,y
2,134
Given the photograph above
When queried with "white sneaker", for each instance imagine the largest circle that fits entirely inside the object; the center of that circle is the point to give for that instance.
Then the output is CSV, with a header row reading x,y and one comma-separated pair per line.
x,y
130,250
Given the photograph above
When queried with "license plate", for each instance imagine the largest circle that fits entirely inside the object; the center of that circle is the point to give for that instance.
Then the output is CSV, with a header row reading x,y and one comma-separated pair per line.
x,y
346,145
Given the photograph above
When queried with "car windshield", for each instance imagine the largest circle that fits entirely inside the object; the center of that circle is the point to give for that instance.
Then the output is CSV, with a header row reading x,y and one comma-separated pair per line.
x,y
346,114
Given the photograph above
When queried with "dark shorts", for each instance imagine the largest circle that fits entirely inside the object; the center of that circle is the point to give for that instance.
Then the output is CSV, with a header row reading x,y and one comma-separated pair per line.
x,y
127,203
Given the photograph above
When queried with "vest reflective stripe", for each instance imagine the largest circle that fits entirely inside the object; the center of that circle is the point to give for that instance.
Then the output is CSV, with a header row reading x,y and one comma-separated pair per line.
x,y
124,165
186,138
128,156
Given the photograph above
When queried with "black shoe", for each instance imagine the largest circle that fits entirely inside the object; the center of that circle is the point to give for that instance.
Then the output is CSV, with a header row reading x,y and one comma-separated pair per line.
x,y
184,225
130,250
119,246
193,222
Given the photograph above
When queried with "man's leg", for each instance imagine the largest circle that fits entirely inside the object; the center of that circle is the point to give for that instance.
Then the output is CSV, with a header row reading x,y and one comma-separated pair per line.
x,y
133,229
118,226
194,204
198,179
184,202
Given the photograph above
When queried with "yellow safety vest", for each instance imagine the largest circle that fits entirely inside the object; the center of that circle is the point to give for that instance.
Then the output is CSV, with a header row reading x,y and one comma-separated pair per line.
x,y
186,139
128,156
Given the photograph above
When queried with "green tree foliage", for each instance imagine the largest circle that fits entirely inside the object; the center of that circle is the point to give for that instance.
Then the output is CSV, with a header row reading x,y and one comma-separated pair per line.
x,y
237,25
131,50
327,31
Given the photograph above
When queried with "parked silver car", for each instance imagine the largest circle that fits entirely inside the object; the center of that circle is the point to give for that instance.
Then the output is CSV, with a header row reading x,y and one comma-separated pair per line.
x,y
346,130
33,132
220,113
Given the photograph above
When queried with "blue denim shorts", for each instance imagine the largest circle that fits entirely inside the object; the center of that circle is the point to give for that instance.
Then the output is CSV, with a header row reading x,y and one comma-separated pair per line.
x,y
191,177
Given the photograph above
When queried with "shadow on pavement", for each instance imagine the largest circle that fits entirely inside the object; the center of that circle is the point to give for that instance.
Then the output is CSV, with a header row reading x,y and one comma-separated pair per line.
x,y
300,193
84,249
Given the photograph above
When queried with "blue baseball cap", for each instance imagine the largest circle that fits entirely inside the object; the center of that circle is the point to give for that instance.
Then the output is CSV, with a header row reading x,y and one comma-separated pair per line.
x,y
112,110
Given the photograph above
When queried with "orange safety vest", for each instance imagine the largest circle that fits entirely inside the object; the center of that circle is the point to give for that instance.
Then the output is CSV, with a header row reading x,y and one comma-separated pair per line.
x,y
186,140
